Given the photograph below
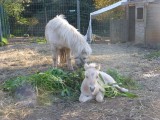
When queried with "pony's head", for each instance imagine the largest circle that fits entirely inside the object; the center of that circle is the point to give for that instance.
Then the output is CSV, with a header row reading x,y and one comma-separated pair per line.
x,y
83,55
92,75
81,59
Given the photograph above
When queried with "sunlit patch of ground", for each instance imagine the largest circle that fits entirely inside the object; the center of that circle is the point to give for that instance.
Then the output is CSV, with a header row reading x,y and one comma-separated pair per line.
x,y
21,59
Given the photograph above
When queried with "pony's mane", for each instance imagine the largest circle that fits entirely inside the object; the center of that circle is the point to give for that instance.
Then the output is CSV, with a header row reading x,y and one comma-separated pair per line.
x,y
69,35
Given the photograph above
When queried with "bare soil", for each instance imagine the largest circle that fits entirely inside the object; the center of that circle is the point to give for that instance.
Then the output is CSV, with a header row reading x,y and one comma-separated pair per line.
x,y
24,59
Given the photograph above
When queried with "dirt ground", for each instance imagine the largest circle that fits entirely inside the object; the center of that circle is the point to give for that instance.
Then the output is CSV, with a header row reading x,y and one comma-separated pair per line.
x,y
24,59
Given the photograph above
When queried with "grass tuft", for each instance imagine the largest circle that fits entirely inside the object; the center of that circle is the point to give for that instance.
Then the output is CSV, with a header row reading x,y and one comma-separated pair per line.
x,y
3,42
153,55
39,40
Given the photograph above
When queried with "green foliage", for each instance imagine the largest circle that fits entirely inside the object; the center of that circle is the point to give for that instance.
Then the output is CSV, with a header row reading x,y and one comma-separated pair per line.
x,y
121,80
12,84
61,83
11,36
103,3
4,41
153,55
16,10
39,40
112,92
116,13
124,81
54,81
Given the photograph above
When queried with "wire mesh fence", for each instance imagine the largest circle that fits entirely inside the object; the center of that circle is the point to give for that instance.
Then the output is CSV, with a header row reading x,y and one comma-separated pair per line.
x,y
103,27
4,23
37,14
32,20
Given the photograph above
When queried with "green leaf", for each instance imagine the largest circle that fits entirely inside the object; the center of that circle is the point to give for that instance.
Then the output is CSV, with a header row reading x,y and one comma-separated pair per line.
x,y
129,95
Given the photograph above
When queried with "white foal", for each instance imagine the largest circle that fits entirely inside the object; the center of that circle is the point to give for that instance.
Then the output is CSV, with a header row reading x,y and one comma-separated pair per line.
x,y
90,87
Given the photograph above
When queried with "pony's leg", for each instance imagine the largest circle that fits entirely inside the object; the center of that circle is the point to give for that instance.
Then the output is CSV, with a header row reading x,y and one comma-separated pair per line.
x,y
56,58
84,98
69,63
55,53
99,97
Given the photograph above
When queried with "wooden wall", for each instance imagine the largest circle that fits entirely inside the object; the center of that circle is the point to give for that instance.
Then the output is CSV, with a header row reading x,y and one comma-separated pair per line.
x,y
152,37
131,23
118,30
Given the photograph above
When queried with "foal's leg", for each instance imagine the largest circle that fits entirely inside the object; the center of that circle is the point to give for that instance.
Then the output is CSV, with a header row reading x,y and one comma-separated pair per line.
x,y
99,97
69,63
84,98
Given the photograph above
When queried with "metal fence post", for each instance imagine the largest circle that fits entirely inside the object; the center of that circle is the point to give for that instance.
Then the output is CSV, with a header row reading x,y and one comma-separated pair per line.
x,y
78,15
0,24
45,12
0,31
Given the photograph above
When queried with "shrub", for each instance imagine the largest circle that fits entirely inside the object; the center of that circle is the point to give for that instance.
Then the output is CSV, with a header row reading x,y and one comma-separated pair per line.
x,y
4,41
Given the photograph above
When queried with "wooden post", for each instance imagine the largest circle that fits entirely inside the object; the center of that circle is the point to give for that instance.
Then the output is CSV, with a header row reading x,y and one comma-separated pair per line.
x,y
45,12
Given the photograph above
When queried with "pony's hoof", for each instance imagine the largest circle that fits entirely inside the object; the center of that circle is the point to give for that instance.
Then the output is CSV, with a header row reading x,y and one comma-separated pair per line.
x,y
70,69
54,67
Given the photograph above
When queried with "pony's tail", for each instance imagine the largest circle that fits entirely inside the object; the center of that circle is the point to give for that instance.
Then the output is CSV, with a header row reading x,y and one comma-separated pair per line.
x,y
63,55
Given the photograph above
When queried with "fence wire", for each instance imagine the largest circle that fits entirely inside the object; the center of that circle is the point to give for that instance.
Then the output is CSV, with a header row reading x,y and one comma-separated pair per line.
x,y
4,23
39,13
103,27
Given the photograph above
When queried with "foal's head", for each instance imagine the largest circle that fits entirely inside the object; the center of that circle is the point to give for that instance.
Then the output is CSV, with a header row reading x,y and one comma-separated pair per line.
x,y
92,75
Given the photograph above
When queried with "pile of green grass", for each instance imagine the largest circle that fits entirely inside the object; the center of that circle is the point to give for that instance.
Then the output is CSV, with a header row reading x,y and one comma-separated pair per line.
x,y
54,81
65,84
124,81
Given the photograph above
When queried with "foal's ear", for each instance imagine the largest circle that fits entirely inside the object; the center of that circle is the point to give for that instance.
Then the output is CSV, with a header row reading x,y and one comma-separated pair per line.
x,y
86,66
98,66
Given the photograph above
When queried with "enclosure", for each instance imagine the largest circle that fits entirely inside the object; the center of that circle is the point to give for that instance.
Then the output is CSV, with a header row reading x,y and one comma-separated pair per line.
x,y
28,54
29,18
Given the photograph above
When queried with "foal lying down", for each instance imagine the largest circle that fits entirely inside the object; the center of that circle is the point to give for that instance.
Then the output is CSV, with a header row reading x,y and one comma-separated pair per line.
x,y
90,87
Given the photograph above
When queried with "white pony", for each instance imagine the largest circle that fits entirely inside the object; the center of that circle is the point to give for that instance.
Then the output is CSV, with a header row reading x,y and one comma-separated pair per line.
x,y
66,40
90,87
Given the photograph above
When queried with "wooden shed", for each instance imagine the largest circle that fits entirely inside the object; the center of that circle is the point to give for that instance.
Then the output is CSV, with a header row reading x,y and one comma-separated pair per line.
x,y
144,22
